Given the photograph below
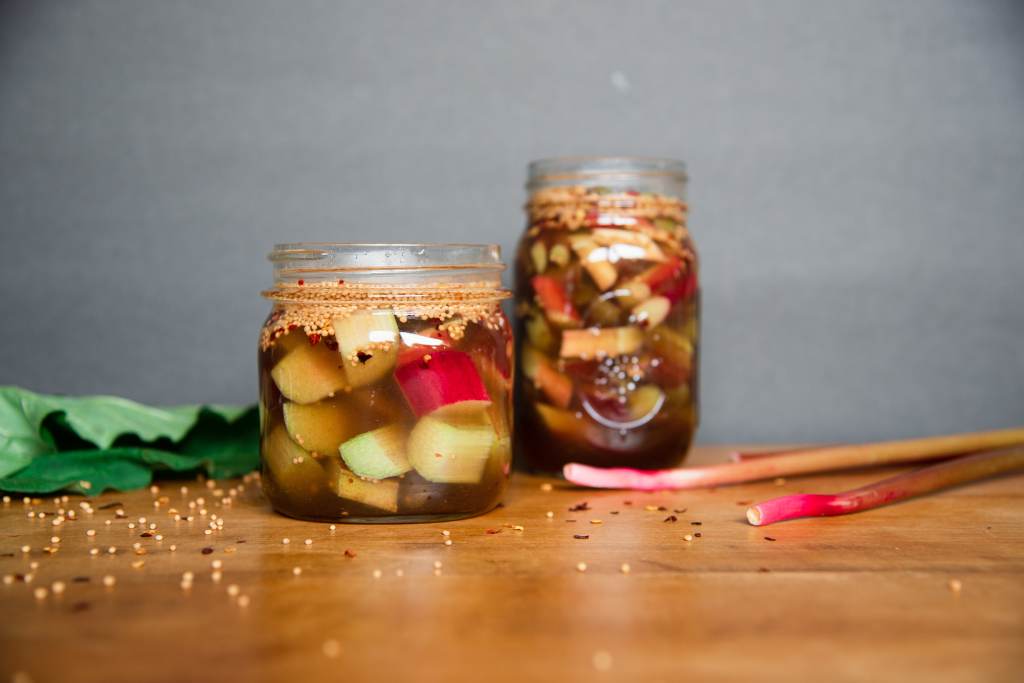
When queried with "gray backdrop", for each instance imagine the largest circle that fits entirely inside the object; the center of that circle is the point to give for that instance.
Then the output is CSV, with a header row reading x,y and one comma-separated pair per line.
x,y
857,182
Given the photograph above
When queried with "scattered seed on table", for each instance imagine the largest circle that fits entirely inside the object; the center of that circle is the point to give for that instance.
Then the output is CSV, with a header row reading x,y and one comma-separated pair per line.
x,y
109,580
671,518
546,487
297,571
581,566
549,514
94,551
331,648
768,538
447,541
377,573
437,564
696,523
624,568
350,553
285,541
956,585
333,527
58,587
243,600
687,537
111,550
172,547
26,549
581,537
308,541
216,576
233,589
445,532
216,564
41,593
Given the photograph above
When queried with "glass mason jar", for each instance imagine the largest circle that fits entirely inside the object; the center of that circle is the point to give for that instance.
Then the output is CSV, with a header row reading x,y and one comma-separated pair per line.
x,y
385,382
607,302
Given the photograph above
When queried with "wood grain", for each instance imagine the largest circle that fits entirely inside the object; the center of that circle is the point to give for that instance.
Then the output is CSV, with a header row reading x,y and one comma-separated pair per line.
x,y
864,597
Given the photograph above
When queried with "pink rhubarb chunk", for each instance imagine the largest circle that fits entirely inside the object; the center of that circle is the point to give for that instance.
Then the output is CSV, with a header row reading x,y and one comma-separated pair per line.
x,y
443,381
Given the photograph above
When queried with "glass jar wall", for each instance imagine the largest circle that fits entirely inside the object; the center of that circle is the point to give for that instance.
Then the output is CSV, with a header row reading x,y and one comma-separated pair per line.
x,y
607,302
385,382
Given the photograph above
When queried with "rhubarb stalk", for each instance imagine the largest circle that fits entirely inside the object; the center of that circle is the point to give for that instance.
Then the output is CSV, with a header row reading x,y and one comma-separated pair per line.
x,y
900,487
800,462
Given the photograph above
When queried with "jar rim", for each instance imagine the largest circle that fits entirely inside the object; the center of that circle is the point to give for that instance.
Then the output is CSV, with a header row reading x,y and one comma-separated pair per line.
x,y
558,169
366,257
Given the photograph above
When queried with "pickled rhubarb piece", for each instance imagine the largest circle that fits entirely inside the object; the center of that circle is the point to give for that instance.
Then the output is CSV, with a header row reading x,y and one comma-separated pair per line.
x,y
674,355
542,372
626,244
680,288
595,261
562,423
539,257
294,470
309,373
382,495
320,427
603,312
632,293
539,333
559,255
377,454
368,344
658,275
652,312
445,381
597,342
555,302
453,450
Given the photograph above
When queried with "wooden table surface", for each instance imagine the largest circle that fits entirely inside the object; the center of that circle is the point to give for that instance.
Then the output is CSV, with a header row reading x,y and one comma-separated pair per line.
x,y
864,597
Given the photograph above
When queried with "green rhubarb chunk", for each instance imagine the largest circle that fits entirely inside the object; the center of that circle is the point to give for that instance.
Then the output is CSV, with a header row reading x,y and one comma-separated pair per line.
x,y
368,343
321,427
451,450
382,495
293,469
309,373
377,454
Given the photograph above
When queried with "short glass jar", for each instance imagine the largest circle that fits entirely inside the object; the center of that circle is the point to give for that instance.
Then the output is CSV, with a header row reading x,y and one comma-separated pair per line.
x,y
607,302
385,382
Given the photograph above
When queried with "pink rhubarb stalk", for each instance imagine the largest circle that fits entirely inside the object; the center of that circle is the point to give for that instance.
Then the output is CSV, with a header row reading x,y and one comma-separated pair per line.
x,y
794,463
900,487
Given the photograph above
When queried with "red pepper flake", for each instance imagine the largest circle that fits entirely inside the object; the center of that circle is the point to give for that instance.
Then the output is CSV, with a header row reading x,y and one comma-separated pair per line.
x,y
697,534
768,538
362,357
350,553
145,534
494,531
301,282
314,339
341,282
579,507
671,518
292,327
207,550
581,537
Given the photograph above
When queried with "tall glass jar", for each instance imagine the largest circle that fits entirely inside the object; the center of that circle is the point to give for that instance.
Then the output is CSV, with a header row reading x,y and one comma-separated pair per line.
x,y
385,382
607,302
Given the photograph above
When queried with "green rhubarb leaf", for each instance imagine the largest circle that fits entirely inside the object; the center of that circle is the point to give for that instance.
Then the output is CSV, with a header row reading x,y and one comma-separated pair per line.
x,y
49,443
